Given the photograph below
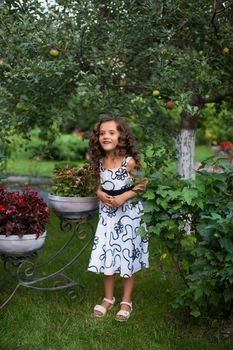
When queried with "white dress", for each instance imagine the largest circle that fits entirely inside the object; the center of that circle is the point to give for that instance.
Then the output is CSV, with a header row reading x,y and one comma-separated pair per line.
x,y
117,247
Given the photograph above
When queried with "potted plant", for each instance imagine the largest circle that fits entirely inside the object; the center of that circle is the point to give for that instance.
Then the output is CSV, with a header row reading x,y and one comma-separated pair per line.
x,y
22,221
73,194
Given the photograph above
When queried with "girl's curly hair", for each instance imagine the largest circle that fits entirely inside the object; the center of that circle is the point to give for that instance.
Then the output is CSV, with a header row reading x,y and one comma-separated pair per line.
x,y
126,147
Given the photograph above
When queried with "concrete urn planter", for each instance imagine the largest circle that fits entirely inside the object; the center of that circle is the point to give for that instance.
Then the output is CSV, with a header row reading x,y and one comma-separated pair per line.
x,y
15,246
73,207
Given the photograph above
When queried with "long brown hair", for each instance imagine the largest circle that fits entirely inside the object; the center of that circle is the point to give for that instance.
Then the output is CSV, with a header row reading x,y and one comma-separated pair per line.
x,y
126,146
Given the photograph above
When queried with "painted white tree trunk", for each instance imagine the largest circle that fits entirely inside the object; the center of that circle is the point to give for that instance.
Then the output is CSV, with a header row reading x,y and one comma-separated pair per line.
x,y
185,145
185,164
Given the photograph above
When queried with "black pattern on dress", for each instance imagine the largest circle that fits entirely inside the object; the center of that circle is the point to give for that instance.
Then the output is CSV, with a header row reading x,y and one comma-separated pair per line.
x,y
117,246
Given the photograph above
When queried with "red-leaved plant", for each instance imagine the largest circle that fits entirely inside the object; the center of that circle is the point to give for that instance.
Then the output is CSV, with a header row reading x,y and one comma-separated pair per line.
x,y
226,146
22,214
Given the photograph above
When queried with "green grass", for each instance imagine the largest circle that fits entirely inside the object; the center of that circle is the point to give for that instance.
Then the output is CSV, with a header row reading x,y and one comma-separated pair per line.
x,y
52,321
202,152
30,167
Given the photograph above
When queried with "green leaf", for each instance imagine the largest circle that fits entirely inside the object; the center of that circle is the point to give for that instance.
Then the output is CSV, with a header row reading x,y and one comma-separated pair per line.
x,y
189,194
154,229
148,207
150,151
188,242
199,292
162,202
149,194
200,203
162,191
147,218
170,235
174,194
195,312
226,244
141,231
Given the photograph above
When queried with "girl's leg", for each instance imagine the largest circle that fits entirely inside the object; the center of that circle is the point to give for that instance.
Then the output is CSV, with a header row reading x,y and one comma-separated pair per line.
x,y
127,293
128,288
109,282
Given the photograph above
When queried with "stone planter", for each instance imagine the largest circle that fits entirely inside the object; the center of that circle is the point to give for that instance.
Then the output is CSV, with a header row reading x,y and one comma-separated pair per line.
x,y
16,246
73,207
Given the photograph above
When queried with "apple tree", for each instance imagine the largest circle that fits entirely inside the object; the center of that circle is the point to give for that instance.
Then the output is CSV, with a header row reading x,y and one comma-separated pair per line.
x,y
157,63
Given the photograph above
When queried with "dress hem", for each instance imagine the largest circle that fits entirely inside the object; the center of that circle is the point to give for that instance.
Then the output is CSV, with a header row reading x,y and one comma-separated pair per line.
x,y
124,276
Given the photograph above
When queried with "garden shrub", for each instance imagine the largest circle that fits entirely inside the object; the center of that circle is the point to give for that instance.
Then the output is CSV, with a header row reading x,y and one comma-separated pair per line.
x,y
194,221
75,181
212,118
65,147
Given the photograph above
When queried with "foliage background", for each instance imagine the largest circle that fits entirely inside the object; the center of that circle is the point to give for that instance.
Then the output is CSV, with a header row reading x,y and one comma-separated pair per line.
x,y
111,57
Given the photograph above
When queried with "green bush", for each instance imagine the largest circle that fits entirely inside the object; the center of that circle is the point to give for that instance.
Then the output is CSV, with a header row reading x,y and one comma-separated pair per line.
x,y
216,124
65,147
194,221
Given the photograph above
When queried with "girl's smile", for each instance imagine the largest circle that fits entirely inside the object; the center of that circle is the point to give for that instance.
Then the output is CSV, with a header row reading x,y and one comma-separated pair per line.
x,y
109,136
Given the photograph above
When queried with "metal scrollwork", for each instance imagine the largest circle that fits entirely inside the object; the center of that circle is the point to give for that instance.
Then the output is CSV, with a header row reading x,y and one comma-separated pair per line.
x,y
28,274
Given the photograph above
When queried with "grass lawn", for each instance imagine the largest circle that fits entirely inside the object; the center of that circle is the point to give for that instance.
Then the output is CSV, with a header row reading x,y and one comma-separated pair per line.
x,y
54,321
203,152
30,167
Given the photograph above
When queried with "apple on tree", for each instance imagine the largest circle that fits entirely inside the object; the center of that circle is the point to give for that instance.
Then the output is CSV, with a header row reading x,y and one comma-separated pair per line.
x,y
226,50
122,82
54,52
170,104
155,93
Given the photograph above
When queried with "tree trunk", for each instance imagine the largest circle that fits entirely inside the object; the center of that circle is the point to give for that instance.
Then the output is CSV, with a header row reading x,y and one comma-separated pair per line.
x,y
185,146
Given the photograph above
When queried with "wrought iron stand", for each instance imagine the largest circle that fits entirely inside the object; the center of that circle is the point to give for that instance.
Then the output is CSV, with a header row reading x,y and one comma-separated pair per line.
x,y
27,273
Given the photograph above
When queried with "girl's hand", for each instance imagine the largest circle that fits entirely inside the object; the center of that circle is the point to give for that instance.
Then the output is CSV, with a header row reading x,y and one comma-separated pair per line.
x,y
104,197
118,200
140,187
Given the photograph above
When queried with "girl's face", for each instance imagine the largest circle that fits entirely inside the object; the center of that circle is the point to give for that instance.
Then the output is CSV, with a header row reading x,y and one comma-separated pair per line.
x,y
109,136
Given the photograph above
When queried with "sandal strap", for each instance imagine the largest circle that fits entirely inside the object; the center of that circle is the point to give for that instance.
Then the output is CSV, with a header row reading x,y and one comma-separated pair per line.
x,y
126,303
124,313
101,309
110,301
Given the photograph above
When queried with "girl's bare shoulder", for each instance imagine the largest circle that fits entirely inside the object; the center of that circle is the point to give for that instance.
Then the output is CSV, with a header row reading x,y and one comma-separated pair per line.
x,y
131,164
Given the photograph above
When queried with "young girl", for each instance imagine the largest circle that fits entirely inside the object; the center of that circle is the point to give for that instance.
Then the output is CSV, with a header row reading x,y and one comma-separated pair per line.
x,y
117,246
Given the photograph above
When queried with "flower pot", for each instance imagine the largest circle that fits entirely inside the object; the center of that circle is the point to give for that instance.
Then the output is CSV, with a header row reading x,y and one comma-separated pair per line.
x,y
16,246
73,207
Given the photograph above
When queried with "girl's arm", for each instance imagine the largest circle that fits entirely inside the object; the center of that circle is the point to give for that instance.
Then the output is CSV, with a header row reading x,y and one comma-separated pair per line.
x,y
104,197
122,198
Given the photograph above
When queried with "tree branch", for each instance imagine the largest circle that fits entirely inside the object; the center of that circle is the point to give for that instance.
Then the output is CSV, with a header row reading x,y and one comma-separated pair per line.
x,y
213,17
217,99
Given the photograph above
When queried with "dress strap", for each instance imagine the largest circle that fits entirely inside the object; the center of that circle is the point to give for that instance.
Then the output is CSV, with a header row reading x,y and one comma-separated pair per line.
x,y
125,161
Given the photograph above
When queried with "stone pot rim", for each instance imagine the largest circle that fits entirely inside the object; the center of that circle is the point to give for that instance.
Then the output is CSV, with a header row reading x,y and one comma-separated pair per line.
x,y
72,199
26,236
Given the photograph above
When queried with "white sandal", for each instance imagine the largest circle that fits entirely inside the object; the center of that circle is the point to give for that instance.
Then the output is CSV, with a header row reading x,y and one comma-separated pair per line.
x,y
102,309
124,313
